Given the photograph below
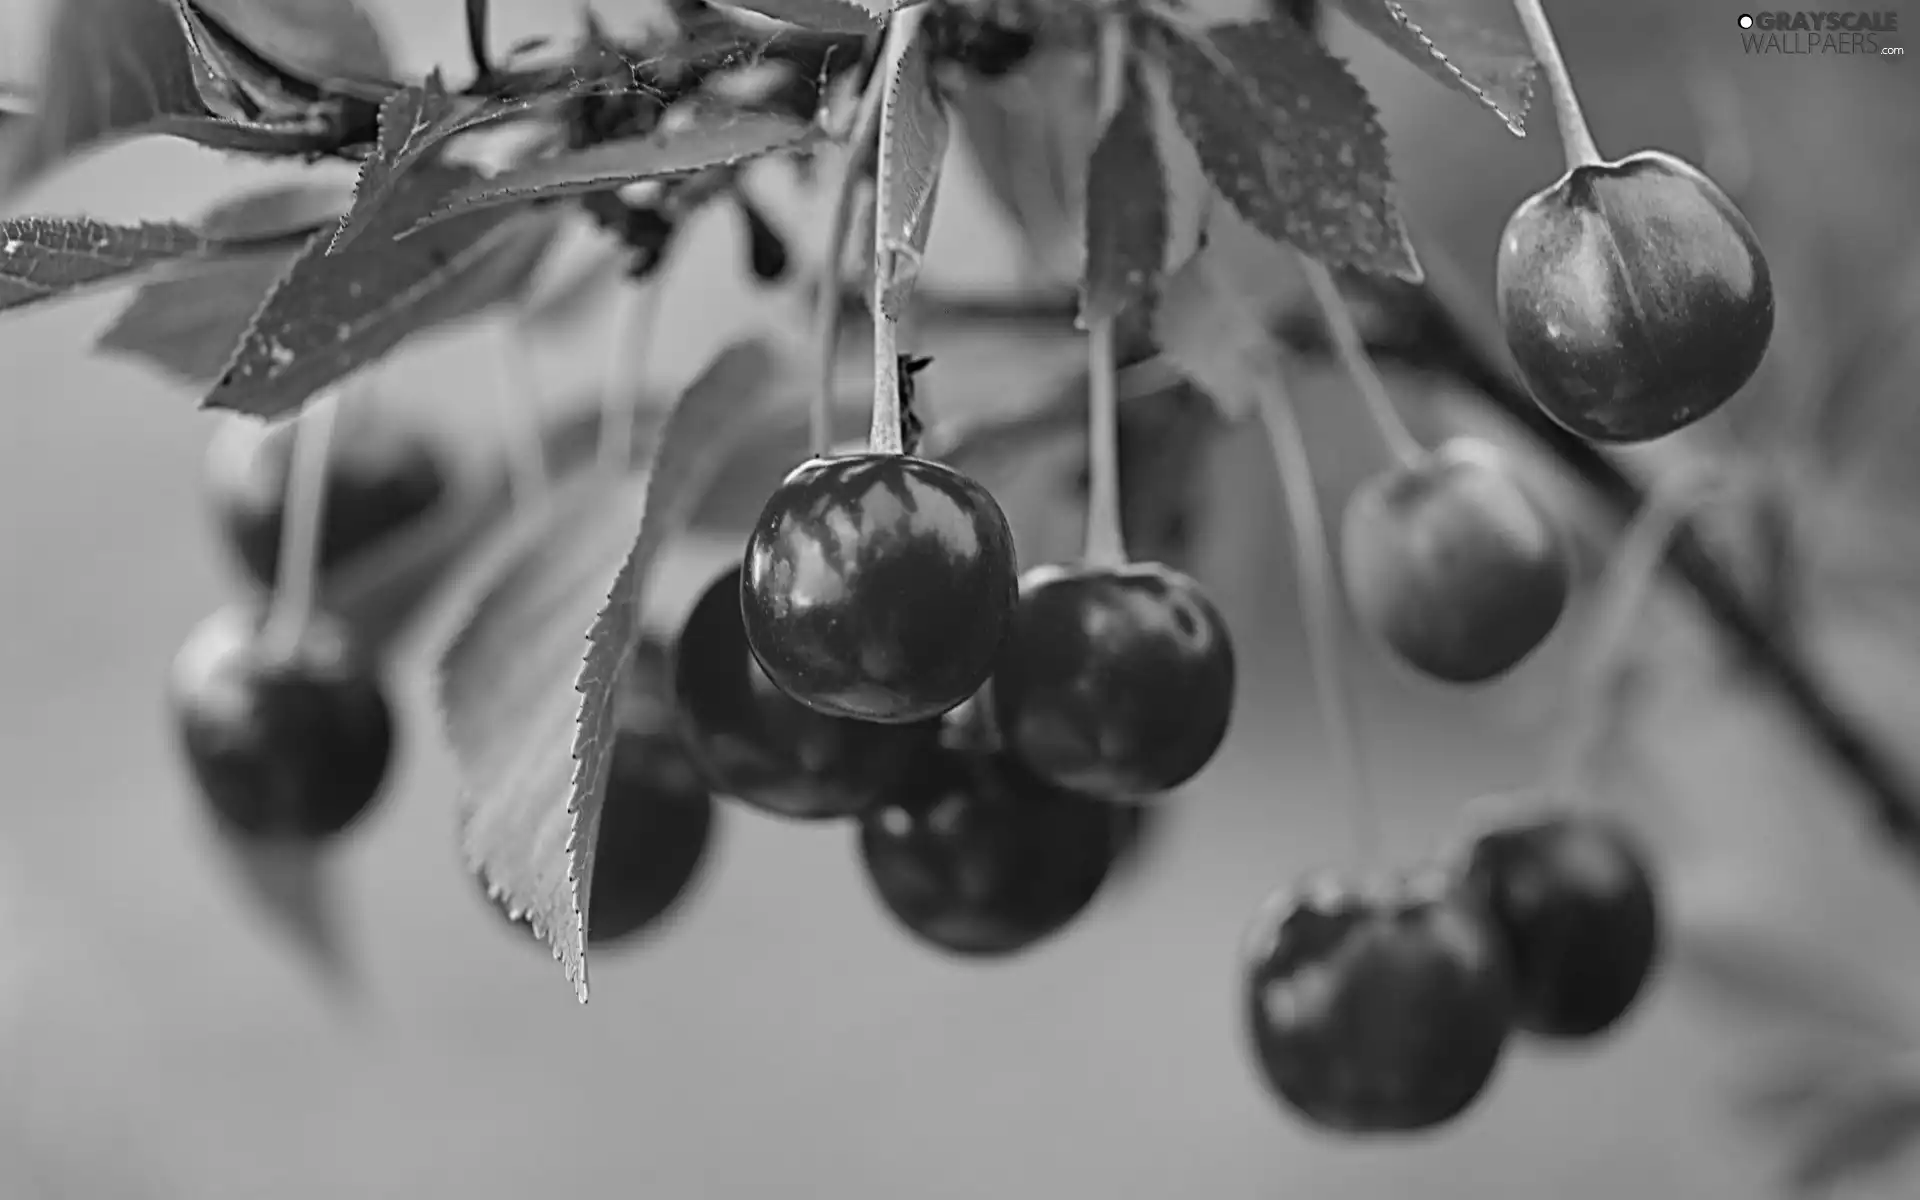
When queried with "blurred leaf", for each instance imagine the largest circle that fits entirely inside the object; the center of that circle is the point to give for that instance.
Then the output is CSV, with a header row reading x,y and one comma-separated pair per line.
x,y
121,67
1836,1116
327,42
1761,972
1127,219
1288,136
715,139
528,709
234,82
189,327
1209,331
1462,51
332,314
1030,135
45,258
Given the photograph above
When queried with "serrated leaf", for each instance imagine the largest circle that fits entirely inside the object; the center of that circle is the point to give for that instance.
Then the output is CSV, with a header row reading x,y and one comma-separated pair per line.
x,y
190,327
1289,137
234,82
1127,211
915,131
413,122
332,314
45,258
117,68
716,139
1462,51
332,43
528,708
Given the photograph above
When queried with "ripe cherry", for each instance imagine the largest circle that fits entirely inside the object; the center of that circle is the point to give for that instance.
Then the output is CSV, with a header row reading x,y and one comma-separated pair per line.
x,y
1453,565
763,746
878,586
1635,297
1114,681
1377,1006
655,834
289,743
382,477
978,857
1574,899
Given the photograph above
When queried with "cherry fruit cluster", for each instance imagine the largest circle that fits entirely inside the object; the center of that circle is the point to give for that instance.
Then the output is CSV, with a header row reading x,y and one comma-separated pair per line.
x,y
1384,1003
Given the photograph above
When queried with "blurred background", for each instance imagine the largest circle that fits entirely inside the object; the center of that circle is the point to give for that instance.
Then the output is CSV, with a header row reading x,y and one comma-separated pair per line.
x,y
158,1041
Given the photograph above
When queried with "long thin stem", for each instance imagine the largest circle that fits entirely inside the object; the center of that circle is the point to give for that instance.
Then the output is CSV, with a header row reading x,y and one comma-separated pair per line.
x,y
1576,137
828,307
884,435
1351,348
1106,544
636,308
518,398
1625,586
1325,640
296,583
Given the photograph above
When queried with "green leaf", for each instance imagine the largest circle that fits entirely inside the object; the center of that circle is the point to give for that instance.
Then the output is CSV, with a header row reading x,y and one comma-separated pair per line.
x,y
332,43
828,16
414,121
45,258
1128,225
332,314
713,139
191,326
527,708
915,131
1214,329
1462,51
1288,137
119,68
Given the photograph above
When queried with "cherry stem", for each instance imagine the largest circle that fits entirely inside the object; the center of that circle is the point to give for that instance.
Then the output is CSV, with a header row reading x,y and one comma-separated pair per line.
x,y
884,436
478,19
517,397
828,308
1625,587
635,309
296,582
1576,137
1351,348
1106,544
1325,641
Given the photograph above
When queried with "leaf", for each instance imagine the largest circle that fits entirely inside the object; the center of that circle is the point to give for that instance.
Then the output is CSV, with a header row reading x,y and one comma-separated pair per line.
x,y
45,258
1127,218
1492,65
718,140
1763,974
1288,137
413,122
332,314
828,16
117,68
332,43
189,327
1213,333
527,707
914,136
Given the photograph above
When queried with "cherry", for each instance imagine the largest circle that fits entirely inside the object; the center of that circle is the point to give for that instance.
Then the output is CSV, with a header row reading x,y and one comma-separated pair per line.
x,y
1379,1005
979,857
655,834
1635,297
878,586
766,748
1452,565
285,743
1573,897
382,477
1114,681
